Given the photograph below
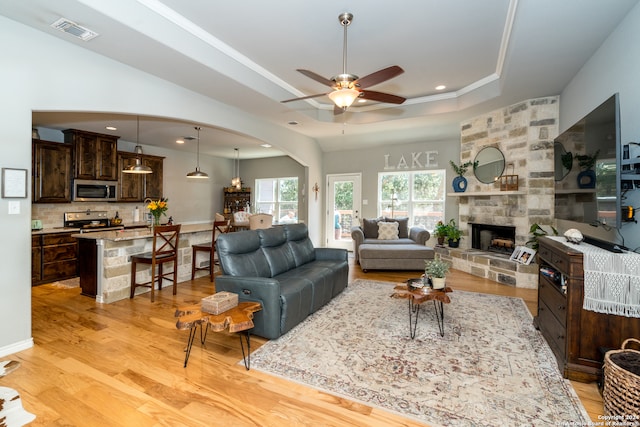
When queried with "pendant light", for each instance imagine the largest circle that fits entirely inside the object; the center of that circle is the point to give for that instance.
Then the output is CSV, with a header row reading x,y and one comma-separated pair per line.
x,y
236,181
138,168
198,173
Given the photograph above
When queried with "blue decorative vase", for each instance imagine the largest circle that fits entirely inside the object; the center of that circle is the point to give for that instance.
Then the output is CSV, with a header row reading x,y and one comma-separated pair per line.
x,y
587,179
459,184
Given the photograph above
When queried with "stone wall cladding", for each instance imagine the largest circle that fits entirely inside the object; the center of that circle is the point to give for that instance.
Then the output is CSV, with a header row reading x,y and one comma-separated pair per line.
x,y
524,132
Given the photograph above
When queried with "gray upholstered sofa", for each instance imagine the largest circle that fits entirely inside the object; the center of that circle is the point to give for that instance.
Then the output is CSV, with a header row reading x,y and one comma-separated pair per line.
x,y
280,268
406,252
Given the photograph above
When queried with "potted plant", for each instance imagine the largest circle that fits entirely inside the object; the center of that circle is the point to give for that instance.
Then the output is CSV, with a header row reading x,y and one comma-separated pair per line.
x,y
436,269
587,177
440,232
536,232
453,234
460,182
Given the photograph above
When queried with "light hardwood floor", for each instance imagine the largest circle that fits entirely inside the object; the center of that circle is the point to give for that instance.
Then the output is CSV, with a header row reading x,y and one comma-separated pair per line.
x,y
121,364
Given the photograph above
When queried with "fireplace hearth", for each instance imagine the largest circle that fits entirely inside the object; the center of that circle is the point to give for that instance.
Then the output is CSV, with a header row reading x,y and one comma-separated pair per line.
x,y
493,238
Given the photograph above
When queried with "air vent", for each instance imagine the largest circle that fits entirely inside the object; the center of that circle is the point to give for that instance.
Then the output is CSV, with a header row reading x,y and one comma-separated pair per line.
x,y
74,29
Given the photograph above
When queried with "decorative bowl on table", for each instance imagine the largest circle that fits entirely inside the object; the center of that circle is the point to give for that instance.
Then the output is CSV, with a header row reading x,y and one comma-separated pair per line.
x,y
414,284
116,221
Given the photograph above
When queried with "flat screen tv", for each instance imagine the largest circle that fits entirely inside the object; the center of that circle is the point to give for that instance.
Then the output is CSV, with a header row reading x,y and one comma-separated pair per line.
x,y
590,197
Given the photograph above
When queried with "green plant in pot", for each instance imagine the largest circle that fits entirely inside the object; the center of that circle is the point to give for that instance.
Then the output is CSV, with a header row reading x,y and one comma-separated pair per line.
x,y
440,232
453,234
436,270
536,232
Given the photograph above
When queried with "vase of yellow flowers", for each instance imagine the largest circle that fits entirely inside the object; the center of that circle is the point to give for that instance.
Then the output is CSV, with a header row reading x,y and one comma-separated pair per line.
x,y
157,208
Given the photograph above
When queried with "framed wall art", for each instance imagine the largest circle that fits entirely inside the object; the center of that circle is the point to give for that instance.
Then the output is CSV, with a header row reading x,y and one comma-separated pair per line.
x,y
14,183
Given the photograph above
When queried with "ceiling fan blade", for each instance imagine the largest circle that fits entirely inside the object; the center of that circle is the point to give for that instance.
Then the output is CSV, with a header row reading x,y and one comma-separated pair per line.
x,y
304,97
317,77
382,97
379,76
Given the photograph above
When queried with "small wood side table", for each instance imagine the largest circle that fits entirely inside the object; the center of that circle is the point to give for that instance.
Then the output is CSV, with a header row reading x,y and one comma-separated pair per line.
x,y
236,319
416,297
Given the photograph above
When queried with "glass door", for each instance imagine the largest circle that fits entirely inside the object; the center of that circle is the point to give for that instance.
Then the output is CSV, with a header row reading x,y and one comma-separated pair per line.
x,y
343,209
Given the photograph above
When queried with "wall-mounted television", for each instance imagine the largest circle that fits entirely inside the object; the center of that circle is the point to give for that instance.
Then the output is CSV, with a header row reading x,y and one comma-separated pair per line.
x,y
590,198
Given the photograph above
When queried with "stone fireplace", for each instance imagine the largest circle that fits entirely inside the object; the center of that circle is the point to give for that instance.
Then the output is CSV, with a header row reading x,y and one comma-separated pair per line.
x,y
493,238
524,133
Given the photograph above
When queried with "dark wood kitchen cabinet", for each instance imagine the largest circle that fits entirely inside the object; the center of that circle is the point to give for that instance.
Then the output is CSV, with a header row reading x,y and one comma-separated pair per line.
x,y
36,259
130,185
58,259
95,155
577,337
153,181
136,187
51,169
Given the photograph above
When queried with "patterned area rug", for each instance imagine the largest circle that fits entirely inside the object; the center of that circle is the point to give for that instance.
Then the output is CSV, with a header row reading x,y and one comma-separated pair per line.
x,y
492,367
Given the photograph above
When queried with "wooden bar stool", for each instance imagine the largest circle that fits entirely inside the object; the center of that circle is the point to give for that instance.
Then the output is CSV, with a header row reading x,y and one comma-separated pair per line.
x,y
165,249
218,227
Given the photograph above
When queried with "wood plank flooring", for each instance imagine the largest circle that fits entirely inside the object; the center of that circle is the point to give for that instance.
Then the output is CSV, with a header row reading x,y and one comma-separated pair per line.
x,y
121,364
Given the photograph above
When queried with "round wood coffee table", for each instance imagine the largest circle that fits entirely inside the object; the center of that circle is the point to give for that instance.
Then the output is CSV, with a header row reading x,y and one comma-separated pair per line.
x,y
416,297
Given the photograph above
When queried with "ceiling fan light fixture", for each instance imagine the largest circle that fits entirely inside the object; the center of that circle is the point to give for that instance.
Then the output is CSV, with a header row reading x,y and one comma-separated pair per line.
x,y
343,98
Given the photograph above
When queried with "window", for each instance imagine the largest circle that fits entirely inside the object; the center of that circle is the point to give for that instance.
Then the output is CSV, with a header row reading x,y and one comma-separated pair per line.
x,y
419,195
278,197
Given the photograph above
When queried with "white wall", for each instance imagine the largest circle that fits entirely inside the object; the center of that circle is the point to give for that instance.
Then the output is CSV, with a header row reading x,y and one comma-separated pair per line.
x,y
615,67
371,161
43,73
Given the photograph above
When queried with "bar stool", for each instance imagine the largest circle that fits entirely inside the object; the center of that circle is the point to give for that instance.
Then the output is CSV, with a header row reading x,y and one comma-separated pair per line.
x,y
165,249
218,227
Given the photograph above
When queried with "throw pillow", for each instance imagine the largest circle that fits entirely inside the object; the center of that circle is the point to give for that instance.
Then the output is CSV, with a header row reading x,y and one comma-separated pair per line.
x,y
370,228
403,226
387,230
219,217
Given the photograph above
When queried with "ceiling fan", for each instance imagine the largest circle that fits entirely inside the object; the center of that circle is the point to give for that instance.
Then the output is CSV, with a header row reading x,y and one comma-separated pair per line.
x,y
348,87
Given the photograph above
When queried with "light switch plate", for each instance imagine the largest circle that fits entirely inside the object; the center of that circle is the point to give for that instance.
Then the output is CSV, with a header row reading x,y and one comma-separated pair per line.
x,y
14,208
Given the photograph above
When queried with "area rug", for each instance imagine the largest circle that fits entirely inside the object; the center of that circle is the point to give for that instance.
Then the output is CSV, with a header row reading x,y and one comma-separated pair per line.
x,y
492,367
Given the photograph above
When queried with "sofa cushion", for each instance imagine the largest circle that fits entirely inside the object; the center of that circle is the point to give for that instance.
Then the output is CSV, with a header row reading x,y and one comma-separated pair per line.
x,y
276,250
300,244
240,255
399,252
403,226
387,230
370,228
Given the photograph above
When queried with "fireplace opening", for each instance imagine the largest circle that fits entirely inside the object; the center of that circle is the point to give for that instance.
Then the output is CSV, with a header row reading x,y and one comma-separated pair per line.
x,y
493,238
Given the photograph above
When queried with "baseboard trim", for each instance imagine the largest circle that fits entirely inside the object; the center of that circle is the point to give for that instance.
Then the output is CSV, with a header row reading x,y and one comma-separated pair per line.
x,y
16,347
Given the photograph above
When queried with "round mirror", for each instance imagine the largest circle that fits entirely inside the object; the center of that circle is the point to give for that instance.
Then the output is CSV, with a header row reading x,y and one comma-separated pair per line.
x,y
562,161
490,165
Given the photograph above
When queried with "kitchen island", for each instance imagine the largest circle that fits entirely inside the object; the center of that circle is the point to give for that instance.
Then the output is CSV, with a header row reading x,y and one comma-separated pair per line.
x,y
105,259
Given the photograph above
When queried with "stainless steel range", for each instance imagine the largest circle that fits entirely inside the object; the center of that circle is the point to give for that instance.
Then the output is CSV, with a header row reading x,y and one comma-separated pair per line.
x,y
89,221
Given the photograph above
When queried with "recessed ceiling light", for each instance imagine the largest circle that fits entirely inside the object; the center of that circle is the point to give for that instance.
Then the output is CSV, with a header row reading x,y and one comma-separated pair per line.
x,y
441,87
111,128
292,123
362,100
265,145
179,141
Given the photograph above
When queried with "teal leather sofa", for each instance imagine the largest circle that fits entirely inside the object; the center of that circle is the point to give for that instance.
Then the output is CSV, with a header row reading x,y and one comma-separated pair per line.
x,y
279,268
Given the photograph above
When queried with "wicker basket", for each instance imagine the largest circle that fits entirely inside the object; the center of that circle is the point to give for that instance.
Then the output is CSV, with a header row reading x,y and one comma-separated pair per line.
x,y
621,395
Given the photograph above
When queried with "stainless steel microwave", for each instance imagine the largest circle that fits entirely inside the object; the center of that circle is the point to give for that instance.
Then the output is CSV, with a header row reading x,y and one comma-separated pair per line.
x,y
94,191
